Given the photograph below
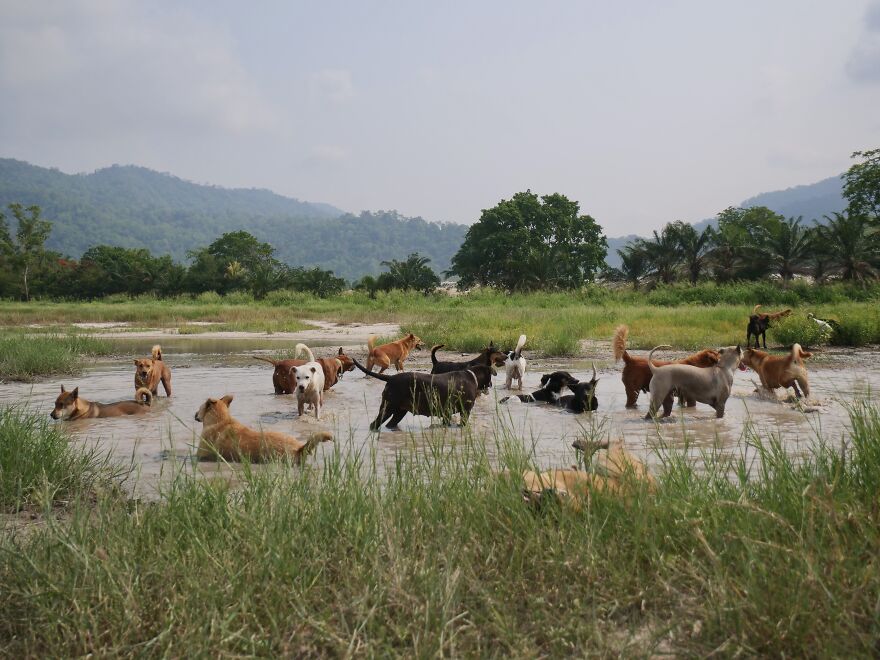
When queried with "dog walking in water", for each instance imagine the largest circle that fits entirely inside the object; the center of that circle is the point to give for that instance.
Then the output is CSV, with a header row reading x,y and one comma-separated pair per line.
x,y
515,365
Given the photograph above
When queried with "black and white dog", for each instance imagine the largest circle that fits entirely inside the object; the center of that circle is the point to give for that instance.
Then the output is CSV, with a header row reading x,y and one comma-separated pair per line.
x,y
515,365
584,397
551,388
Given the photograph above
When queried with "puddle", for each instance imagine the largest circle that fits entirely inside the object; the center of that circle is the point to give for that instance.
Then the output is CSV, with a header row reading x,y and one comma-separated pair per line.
x,y
161,442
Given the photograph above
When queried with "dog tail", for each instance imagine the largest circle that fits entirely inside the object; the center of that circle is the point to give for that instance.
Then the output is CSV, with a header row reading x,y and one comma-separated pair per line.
x,y
144,396
797,353
519,347
274,363
779,315
314,440
434,350
650,355
370,373
618,343
371,342
157,352
302,348
755,311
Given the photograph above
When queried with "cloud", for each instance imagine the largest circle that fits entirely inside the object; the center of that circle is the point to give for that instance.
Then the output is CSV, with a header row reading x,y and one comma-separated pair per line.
x,y
333,85
100,69
863,65
328,154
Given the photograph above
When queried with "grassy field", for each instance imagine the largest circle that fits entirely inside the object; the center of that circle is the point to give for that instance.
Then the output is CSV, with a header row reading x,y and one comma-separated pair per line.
x,y
26,356
773,556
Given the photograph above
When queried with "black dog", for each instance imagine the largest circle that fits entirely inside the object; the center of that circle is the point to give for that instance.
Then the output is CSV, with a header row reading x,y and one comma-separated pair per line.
x,y
584,397
551,386
758,324
429,394
487,357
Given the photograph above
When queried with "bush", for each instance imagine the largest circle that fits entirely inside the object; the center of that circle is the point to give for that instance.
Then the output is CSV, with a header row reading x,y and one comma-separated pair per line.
x,y
797,329
857,330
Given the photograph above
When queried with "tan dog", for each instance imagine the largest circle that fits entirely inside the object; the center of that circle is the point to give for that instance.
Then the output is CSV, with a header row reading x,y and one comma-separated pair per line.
x,y
394,352
334,367
780,371
148,372
636,374
225,436
70,406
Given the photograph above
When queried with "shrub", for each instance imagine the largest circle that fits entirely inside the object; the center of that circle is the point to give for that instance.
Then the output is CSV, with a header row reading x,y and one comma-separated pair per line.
x,y
797,329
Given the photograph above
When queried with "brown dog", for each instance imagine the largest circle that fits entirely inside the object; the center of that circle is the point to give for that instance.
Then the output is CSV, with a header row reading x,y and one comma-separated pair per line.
x,y
70,406
780,371
333,368
225,436
149,371
394,352
636,374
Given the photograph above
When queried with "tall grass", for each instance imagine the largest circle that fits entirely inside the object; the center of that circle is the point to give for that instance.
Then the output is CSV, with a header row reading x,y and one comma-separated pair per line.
x,y
39,466
760,553
26,356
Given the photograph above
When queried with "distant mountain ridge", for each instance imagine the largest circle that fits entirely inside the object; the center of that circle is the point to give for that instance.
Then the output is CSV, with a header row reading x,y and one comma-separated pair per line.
x,y
137,207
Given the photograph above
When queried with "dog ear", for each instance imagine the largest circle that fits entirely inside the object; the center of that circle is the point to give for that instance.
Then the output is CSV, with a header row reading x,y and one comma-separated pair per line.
x,y
340,351
227,399
75,393
62,389
136,362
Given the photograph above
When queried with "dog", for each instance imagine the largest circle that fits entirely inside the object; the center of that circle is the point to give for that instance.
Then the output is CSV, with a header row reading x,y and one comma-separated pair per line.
x,y
516,365
780,370
488,356
394,352
334,368
709,385
583,398
70,406
225,436
551,388
758,324
636,375
148,372
827,328
429,394
309,389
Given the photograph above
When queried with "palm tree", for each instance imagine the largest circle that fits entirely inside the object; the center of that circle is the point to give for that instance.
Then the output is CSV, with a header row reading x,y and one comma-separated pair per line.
x,y
789,247
852,246
633,265
693,248
663,255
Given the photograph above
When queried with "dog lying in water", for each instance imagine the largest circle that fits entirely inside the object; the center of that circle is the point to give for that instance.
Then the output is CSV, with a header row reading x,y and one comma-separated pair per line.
x,y
709,385
551,388
70,406
439,395
780,370
583,397
225,436
489,356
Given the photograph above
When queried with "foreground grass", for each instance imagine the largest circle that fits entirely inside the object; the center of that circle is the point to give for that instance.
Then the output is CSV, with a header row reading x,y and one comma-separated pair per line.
x,y
25,356
771,556
39,466
556,323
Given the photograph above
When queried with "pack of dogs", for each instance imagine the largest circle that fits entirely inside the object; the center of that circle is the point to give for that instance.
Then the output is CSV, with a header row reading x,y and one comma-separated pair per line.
x,y
453,387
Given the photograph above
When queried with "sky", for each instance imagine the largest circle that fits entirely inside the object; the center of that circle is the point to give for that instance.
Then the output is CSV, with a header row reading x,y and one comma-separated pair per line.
x,y
645,112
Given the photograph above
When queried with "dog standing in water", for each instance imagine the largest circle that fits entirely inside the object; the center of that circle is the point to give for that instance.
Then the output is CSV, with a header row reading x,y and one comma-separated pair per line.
x,y
780,370
148,372
515,365
394,352
309,387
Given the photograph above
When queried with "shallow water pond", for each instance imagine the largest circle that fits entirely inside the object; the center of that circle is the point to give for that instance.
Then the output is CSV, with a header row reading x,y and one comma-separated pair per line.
x,y
162,441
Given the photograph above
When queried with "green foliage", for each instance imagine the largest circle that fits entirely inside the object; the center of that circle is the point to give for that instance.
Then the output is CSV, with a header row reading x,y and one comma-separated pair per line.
x,y
861,184
24,357
414,273
798,329
851,245
529,242
322,283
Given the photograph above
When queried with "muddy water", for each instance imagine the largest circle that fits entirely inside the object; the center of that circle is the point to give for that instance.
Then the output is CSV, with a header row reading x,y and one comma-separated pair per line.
x,y
161,442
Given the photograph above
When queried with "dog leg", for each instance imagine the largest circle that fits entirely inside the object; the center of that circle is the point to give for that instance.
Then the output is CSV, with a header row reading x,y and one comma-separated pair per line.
x,y
719,409
631,397
166,383
668,402
396,418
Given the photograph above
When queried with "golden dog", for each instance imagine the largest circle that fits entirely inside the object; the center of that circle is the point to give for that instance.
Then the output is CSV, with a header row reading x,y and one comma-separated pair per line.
x,y
225,436
394,352
148,372
780,370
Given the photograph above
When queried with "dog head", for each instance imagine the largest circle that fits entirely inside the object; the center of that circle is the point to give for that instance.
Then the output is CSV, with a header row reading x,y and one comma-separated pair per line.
x,y
305,377
347,362
143,368
65,404
705,358
730,358
414,342
214,409
557,380
751,357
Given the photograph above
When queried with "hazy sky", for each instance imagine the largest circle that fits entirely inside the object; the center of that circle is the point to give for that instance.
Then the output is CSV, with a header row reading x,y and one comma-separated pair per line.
x,y
643,111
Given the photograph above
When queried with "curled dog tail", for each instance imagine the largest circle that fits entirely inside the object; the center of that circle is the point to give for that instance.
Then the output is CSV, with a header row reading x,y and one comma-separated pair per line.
x,y
755,311
157,352
370,373
274,363
618,343
143,396
371,342
314,440
778,315
797,353
302,348
651,354
434,350
519,347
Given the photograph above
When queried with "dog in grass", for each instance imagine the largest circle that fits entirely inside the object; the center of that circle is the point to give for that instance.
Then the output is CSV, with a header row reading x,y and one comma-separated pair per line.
x,y
226,437
149,372
758,324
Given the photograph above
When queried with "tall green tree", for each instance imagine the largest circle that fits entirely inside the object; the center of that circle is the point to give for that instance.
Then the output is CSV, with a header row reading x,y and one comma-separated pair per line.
x,y
861,184
664,255
413,273
28,250
528,229
852,246
788,247
693,248
633,265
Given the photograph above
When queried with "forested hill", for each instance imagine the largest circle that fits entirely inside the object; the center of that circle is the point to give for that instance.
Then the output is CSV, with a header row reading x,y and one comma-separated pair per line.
x,y
137,207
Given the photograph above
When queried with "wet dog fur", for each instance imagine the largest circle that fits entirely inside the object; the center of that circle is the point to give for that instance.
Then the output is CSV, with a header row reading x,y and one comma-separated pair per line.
x,y
70,406
334,367
226,437
636,375
551,388
515,368
780,370
149,372
394,352
309,389
488,356
583,398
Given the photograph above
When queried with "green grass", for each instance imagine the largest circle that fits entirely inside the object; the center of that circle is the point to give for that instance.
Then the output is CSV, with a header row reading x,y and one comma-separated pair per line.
x,y
40,467
744,554
27,356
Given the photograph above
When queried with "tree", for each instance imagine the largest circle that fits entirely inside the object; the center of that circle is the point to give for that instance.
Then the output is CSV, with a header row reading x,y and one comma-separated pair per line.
x,y
861,184
414,273
693,248
663,255
530,230
233,261
28,250
633,265
322,283
788,247
852,246
369,284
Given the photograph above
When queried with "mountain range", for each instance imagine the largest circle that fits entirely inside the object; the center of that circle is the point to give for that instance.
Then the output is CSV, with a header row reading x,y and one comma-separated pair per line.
x,y
137,207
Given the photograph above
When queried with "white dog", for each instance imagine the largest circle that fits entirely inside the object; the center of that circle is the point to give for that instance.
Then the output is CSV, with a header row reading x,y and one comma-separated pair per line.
x,y
515,365
309,387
